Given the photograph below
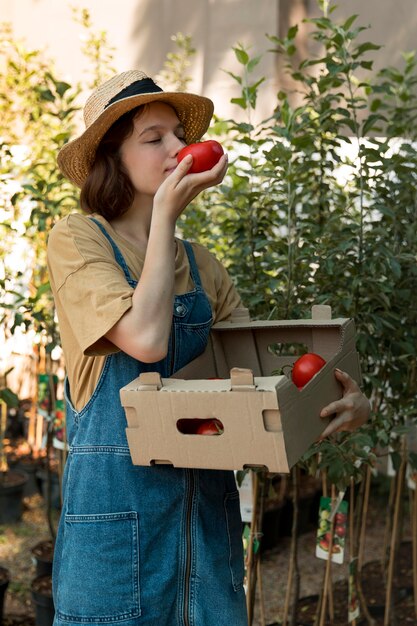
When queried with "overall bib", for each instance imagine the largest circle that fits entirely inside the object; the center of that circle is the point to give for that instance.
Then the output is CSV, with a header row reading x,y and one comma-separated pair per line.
x,y
145,546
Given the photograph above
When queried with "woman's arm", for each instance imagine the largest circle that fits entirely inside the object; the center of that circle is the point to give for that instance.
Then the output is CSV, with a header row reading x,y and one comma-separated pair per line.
x,y
143,331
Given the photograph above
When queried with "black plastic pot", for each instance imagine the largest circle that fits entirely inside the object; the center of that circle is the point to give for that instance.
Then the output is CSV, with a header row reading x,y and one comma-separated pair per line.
x,y
42,554
42,477
12,486
42,599
29,466
4,582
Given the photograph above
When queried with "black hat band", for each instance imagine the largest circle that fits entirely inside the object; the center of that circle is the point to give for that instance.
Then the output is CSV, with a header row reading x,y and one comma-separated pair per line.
x,y
146,85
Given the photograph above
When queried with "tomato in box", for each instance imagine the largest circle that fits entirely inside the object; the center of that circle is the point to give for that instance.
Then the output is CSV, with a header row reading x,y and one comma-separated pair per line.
x,y
210,427
305,368
205,155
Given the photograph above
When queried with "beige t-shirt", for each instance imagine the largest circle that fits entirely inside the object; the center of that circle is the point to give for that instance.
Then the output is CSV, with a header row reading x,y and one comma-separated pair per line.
x,y
91,292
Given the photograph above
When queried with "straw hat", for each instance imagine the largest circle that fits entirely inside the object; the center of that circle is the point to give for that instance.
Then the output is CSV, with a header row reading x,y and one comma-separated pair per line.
x,y
117,96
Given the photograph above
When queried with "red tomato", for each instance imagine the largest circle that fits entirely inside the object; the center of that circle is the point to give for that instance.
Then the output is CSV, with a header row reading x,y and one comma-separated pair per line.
x,y
210,427
324,545
340,530
305,367
205,155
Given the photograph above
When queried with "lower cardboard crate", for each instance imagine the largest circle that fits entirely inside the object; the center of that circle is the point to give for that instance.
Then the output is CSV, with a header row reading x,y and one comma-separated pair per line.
x,y
267,422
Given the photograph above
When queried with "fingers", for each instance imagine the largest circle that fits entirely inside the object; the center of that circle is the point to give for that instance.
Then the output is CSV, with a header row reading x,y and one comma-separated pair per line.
x,y
350,411
349,385
337,406
334,426
208,177
182,168
181,186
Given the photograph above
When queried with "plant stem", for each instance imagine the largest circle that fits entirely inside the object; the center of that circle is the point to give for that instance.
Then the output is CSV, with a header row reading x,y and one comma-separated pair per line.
x,y
327,578
293,573
394,535
352,546
414,544
261,592
365,508
251,574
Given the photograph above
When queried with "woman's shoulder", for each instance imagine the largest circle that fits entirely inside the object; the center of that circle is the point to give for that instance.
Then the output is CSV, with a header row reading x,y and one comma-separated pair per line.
x,y
78,232
72,224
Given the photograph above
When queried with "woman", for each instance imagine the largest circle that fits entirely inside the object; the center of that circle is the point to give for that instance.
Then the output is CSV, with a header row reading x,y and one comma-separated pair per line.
x,y
156,546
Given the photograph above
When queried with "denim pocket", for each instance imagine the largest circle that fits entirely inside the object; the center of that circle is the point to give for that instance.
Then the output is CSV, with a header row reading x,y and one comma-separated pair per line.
x,y
234,530
99,572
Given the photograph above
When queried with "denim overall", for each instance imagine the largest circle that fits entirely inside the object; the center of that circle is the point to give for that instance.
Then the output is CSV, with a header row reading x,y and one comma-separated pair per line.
x,y
145,546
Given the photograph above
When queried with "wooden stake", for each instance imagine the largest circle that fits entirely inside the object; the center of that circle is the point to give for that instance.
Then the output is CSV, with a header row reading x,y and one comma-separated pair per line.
x,y
34,406
293,548
327,578
365,508
388,525
394,534
414,540
249,567
321,595
261,592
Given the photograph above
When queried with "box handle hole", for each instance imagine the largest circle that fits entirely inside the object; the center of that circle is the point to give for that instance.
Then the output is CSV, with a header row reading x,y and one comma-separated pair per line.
x,y
200,426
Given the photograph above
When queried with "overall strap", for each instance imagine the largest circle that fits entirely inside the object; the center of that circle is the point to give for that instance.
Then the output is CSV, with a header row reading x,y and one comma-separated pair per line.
x,y
118,255
195,274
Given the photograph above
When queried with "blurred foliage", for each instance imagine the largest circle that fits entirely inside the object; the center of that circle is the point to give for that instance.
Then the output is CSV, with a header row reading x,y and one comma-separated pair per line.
x,y
38,115
174,74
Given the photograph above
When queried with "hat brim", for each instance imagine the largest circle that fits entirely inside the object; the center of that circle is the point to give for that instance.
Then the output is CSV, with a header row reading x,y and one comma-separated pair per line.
x,y
77,156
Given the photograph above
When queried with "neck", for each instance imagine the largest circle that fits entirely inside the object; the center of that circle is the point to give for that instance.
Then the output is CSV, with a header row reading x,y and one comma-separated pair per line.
x,y
135,224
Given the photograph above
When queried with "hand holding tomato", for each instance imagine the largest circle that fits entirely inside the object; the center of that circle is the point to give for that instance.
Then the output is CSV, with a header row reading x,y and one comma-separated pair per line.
x,y
178,189
205,155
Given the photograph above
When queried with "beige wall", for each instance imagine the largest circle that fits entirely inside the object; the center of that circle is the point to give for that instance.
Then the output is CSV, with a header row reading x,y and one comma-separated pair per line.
x,y
141,32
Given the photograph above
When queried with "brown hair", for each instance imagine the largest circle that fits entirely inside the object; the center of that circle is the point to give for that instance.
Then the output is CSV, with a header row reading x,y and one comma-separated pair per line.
x,y
108,190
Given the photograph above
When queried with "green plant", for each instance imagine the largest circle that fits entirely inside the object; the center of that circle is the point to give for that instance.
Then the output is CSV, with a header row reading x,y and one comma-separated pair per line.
x,y
38,114
174,74
320,200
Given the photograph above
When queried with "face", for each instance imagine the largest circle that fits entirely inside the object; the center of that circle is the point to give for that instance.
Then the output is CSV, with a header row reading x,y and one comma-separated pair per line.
x,y
149,154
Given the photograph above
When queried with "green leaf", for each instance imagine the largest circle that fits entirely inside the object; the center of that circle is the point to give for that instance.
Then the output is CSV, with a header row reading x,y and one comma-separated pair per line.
x,y
242,102
62,87
9,397
349,22
292,32
395,267
364,47
241,55
253,63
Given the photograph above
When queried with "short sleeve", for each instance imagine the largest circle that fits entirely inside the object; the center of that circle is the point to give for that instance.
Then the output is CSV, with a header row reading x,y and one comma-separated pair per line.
x,y
217,283
90,289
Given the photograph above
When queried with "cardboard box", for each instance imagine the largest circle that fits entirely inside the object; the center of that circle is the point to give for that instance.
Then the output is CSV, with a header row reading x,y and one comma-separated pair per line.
x,y
267,421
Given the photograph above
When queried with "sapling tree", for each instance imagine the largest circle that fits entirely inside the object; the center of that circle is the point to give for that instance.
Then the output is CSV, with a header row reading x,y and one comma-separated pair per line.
x,y
319,206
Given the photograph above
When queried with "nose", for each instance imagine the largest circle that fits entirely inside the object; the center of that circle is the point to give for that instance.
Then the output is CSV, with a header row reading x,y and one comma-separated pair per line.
x,y
176,144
